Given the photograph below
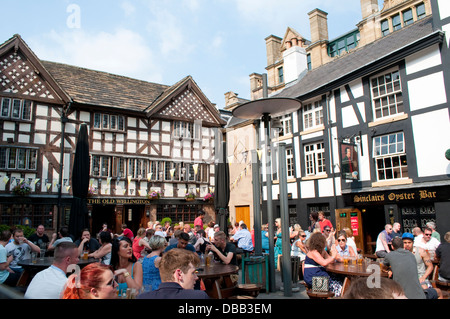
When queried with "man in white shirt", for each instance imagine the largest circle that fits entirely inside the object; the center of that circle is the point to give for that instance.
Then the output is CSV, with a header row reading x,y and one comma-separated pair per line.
x,y
427,242
49,283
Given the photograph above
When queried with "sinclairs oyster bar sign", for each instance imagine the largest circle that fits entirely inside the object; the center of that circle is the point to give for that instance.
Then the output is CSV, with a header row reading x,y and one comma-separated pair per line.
x,y
398,196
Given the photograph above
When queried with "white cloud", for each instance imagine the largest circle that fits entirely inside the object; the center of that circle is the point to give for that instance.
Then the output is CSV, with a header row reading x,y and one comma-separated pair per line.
x,y
121,52
128,8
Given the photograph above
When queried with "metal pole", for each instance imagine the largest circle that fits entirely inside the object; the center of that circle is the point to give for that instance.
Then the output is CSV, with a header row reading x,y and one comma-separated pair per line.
x,y
270,219
286,245
256,203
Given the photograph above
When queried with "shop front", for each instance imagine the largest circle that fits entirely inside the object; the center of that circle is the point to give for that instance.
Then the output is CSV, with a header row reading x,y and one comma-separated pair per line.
x,y
136,213
411,207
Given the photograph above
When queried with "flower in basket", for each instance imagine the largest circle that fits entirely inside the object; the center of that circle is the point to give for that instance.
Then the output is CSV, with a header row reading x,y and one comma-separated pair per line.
x,y
189,196
209,197
92,191
154,194
22,189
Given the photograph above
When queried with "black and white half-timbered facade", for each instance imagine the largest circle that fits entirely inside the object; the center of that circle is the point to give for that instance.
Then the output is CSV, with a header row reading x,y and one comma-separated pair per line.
x,y
370,143
144,138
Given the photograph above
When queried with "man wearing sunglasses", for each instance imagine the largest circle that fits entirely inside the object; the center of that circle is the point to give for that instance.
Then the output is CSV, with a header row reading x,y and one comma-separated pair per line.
x,y
428,242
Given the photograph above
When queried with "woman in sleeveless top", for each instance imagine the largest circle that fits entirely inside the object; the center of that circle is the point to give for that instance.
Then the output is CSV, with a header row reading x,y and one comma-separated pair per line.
x,y
342,248
104,252
150,264
126,268
316,260
298,248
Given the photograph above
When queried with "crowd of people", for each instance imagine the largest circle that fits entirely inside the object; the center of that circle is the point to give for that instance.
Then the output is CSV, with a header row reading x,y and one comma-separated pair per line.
x,y
160,260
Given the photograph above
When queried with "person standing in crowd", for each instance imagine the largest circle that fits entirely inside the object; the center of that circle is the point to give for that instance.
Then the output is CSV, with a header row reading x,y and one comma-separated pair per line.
x,y
383,241
199,220
265,238
49,283
150,264
139,243
104,252
126,232
178,277
434,234
404,270
7,275
39,238
20,248
224,251
126,267
243,238
443,257
323,221
95,281
314,219
87,243
278,249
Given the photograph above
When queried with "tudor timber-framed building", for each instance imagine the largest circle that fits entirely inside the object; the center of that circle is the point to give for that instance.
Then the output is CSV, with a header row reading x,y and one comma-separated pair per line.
x,y
143,137
380,90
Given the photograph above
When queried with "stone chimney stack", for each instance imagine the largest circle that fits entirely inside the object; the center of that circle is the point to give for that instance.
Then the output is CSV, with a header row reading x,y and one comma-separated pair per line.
x,y
273,45
368,7
319,25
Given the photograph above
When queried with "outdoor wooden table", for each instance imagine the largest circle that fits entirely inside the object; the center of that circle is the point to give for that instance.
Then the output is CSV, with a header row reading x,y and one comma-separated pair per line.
x,y
217,279
30,269
353,270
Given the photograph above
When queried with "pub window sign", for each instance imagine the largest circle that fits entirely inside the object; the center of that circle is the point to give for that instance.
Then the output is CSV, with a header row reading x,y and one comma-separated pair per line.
x,y
349,161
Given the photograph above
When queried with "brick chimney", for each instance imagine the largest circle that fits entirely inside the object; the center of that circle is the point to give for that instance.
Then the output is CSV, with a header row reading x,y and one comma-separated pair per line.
x,y
368,7
319,25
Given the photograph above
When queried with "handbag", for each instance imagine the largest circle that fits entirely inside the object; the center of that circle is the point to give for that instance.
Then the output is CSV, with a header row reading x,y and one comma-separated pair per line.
x,y
320,284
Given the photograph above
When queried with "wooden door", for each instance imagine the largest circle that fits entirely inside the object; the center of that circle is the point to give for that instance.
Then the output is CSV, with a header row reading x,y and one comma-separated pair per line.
x,y
351,218
243,213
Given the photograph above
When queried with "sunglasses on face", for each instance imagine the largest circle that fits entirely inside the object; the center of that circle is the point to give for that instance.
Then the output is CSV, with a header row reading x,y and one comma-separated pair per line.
x,y
341,240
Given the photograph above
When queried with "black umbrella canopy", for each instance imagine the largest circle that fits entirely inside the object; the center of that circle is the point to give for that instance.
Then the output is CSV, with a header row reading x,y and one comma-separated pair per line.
x,y
222,190
80,184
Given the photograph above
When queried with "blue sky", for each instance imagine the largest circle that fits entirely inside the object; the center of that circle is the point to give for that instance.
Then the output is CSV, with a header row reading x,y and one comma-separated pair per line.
x,y
218,42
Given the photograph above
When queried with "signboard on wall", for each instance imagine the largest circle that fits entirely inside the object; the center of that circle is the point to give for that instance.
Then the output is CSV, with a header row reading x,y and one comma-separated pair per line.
x,y
349,161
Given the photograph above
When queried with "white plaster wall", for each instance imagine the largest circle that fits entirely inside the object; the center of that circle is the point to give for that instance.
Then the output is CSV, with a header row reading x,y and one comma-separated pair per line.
x,y
423,60
444,8
431,131
427,91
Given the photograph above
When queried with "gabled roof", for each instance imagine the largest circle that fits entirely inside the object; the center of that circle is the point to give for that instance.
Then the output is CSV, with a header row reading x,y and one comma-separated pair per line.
x,y
365,60
185,100
92,87
288,35
24,74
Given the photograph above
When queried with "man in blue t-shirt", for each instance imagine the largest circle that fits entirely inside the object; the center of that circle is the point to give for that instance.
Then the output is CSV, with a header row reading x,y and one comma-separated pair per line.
x,y
183,243
243,238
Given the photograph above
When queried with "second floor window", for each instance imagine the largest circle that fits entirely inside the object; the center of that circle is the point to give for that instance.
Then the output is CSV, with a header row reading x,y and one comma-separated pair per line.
x,y
290,163
315,159
16,109
286,122
187,130
390,157
312,115
387,95
18,158
109,122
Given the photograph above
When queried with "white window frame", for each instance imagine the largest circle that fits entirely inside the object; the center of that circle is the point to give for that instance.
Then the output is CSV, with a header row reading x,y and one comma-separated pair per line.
x,y
286,122
290,163
16,109
312,114
389,155
315,159
387,97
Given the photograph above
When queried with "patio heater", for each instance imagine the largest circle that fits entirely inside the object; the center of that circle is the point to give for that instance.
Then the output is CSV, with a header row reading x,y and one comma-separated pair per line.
x,y
264,109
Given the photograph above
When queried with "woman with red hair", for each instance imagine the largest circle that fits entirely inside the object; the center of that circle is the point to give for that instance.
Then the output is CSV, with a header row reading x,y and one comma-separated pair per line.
x,y
95,281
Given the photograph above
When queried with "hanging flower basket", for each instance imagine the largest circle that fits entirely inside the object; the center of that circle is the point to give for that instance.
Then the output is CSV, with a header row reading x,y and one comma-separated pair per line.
x,y
22,189
92,191
209,198
154,195
189,197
